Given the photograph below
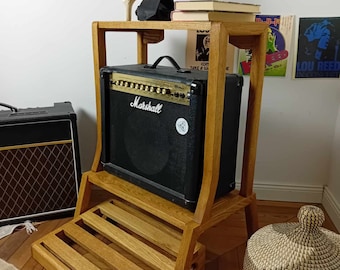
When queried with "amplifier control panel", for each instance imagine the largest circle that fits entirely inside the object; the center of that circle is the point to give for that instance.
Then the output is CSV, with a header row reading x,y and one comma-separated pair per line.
x,y
166,90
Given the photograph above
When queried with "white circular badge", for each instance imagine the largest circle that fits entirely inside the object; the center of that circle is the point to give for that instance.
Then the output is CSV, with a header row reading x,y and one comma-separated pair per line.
x,y
182,126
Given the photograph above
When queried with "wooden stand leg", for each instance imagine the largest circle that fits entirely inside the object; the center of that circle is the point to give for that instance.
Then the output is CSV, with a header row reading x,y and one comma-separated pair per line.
x,y
251,218
84,197
190,237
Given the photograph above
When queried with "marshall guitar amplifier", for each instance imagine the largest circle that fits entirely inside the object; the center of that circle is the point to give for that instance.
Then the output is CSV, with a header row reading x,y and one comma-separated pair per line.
x,y
153,120
39,163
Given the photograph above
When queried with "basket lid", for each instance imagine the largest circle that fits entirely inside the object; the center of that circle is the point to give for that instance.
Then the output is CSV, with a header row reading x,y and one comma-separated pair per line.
x,y
303,245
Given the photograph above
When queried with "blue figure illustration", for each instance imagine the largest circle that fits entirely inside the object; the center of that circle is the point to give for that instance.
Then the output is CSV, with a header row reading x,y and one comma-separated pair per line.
x,y
319,32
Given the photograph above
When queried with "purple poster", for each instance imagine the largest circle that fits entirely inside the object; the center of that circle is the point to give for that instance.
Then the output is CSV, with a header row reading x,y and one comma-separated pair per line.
x,y
278,44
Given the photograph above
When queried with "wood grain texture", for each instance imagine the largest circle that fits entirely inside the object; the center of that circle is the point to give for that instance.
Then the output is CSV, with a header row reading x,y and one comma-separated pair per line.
x,y
206,214
221,254
100,234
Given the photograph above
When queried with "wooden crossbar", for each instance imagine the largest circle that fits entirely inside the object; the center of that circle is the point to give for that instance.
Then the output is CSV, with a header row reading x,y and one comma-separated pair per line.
x,y
113,235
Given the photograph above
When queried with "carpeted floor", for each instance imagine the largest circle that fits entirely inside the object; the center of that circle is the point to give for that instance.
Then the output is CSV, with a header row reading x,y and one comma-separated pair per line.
x,y
6,266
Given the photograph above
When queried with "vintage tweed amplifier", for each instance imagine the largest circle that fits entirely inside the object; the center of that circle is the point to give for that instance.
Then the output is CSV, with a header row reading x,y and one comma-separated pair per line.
x,y
39,163
153,121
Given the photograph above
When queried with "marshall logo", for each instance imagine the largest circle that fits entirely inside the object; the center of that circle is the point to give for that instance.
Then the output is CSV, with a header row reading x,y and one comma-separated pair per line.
x,y
146,106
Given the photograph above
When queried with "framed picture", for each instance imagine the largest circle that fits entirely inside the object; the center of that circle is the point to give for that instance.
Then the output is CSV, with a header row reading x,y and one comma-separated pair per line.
x,y
318,54
197,52
278,46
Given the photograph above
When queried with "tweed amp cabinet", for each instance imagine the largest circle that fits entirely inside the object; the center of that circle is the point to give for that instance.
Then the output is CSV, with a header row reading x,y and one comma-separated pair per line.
x,y
39,163
153,126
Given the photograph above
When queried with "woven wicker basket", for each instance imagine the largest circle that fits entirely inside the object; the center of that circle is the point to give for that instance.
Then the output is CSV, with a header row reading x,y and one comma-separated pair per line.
x,y
304,245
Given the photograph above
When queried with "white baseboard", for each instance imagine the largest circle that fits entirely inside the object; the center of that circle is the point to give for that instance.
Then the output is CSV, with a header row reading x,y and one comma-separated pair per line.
x,y
288,193
307,194
332,206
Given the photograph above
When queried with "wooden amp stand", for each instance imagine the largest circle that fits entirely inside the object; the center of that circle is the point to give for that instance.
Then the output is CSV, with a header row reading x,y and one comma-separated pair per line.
x,y
149,232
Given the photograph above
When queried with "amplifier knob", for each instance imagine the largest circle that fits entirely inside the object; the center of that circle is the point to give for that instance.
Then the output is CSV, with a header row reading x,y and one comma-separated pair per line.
x,y
182,95
146,88
152,89
132,85
136,86
165,91
141,87
126,84
121,83
158,90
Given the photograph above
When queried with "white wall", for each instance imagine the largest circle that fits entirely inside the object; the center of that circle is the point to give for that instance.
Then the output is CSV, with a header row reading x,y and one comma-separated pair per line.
x,y
331,199
334,181
300,127
46,57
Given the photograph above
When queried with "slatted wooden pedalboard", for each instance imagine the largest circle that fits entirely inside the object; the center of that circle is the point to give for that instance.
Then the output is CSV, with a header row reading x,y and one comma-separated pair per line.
x,y
113,235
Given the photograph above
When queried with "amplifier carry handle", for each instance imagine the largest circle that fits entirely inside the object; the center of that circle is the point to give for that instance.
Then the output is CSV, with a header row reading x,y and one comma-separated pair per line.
x,y
13,109
172,61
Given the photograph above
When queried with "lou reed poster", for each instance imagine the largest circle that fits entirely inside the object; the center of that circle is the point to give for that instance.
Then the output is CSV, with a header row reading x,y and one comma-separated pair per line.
x,y
318,54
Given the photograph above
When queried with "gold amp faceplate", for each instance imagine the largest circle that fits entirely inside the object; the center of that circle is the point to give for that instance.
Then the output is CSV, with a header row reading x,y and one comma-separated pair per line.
x,y
169,91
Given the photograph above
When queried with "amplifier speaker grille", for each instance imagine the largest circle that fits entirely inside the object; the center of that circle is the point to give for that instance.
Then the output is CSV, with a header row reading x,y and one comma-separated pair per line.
x,y
146,136
43,177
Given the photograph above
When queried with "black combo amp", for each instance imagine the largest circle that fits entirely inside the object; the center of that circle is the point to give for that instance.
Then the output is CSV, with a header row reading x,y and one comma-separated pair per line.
x,y
153,126
39,163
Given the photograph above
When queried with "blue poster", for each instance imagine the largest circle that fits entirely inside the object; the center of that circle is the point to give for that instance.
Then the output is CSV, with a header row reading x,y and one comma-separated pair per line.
x,y
318,53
